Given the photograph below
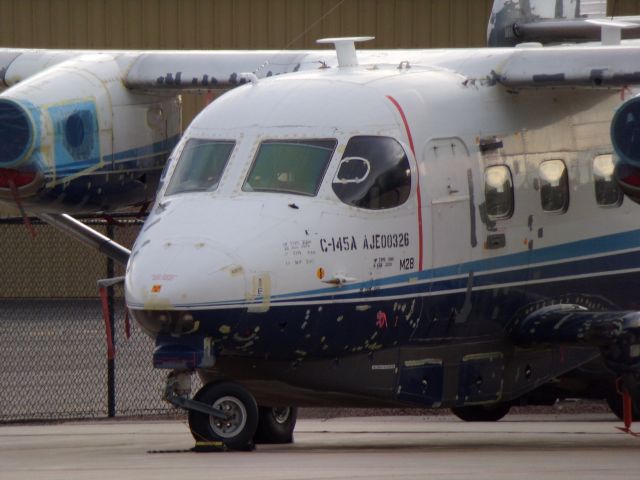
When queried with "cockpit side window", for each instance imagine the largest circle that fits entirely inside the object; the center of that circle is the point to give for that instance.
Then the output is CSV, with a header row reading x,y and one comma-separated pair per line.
x,y
290,166
374,173
200,166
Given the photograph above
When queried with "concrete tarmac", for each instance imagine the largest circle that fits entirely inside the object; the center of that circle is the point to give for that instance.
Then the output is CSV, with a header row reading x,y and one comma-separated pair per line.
x,y
520,447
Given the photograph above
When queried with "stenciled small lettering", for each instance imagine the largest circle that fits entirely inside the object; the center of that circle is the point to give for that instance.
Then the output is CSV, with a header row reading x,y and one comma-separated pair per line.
x,y
374,241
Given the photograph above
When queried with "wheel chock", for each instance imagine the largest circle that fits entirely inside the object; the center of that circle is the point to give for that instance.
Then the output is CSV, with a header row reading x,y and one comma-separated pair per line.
x,y
209,447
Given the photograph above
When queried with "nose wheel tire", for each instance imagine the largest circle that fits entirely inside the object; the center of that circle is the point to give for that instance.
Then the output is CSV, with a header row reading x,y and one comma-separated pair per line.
x,y
482,413
236,431
276,424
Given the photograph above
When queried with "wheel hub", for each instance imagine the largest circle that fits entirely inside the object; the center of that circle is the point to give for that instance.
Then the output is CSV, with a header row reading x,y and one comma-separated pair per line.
x,y
236,417
281,414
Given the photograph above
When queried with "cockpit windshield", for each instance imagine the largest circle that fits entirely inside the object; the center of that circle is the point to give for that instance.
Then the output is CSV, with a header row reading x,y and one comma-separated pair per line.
x,y
200,166
290,166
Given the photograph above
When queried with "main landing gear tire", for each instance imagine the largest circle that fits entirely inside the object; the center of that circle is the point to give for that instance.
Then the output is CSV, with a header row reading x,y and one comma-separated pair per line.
x,y
275,425
237,431
482,413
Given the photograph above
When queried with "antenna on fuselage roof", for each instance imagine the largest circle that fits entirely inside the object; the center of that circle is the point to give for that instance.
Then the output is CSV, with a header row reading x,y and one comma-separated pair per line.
x,y
345,49
302,34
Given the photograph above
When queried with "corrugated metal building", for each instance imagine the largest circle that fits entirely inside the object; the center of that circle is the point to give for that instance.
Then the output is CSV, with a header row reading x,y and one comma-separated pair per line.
x,y
226,24
272,24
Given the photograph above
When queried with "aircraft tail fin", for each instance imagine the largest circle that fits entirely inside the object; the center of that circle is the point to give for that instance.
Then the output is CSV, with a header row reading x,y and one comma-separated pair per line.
x,y
544,21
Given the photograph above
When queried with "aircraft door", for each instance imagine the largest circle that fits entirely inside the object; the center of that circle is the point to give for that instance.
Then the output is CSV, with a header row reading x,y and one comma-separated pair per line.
x,y
451,232
450,190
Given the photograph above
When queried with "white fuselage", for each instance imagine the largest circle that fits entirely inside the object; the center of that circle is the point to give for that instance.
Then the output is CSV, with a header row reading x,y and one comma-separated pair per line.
x,y
230,246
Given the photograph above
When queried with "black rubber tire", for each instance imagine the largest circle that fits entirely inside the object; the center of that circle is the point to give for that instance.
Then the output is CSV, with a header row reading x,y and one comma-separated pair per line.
x,y
614,400
482,413
275,425
236,398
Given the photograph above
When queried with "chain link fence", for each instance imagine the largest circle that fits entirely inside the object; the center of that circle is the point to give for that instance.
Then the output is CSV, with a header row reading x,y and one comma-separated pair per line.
x,y
53,352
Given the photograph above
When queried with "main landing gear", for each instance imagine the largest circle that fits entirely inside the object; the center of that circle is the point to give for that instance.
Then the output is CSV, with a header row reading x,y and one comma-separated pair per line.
x,y
226,413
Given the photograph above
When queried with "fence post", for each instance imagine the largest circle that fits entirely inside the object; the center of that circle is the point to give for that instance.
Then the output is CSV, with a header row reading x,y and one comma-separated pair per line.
x,y
111,367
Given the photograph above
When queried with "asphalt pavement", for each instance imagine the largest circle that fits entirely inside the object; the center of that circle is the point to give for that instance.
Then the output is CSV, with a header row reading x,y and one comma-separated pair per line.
x,y
584,447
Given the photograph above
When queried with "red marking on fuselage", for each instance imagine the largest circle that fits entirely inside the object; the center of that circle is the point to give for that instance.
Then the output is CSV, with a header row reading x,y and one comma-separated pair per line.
x,y
413,151
381,319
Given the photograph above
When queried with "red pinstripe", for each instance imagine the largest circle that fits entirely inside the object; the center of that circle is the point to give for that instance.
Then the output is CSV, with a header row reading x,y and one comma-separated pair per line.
x,y
413,151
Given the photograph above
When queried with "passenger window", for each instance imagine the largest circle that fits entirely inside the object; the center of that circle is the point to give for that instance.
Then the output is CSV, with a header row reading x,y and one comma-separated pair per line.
x,y
498,192
374,173
554,186
200,166
608,194
290,166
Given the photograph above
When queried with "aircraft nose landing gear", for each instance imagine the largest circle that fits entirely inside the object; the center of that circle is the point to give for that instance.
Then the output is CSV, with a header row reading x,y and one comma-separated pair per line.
x,y
221,414
236,426
224,414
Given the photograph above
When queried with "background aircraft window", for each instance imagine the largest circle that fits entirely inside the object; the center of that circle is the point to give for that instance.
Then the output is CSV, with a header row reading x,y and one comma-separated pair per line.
x,y
291,166
608,194
374,173
498,192
554,186
200,166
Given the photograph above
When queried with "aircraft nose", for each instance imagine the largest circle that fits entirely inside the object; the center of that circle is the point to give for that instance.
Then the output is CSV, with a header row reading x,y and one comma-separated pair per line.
x,y
182,273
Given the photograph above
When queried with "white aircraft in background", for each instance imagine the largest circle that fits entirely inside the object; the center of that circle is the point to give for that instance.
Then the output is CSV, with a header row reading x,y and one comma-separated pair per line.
x,y
437,228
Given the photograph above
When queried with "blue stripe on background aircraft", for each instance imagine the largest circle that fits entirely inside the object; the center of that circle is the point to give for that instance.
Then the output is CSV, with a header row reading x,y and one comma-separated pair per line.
x,y
436,228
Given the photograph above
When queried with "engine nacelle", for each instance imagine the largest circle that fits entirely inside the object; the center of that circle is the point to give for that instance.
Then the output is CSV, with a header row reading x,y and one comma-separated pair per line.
x,y
73,138
625,137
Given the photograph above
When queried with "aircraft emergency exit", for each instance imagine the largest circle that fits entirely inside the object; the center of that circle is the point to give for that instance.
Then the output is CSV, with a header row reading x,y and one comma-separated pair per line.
x,y
438,228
